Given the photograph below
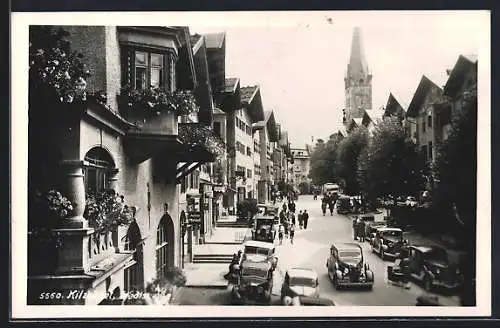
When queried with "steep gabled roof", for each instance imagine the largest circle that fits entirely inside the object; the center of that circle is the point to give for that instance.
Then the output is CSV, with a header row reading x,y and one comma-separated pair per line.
x,y
252,101
215,40
457,75
271,125
231,83
423,88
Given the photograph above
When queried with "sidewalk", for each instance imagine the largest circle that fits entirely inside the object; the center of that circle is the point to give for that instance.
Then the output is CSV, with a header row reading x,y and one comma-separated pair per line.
x,y
206,275
229,235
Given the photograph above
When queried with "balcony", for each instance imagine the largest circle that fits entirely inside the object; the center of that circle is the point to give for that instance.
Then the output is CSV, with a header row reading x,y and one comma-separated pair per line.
x,y
153,114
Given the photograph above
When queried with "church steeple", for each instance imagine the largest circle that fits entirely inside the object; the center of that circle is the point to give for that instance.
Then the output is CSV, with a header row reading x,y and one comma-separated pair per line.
x,y
358,81
357,67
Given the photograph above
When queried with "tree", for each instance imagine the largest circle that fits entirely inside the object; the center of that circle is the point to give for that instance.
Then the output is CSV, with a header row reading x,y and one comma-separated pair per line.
x,y
455,173
323,161
348,152
390,164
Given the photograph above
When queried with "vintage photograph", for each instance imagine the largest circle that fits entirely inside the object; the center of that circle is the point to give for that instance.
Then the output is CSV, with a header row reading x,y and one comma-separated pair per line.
x,y
330,159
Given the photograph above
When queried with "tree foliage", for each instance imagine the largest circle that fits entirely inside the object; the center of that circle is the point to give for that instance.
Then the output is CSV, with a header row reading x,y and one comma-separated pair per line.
x,y
348,153
323,161
390,164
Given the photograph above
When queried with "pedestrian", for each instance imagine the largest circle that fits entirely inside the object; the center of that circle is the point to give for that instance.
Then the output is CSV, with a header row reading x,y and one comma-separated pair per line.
x,y
292,207
284,207
331,205
323,206
299,218
305,218
292,233
292,218
281,232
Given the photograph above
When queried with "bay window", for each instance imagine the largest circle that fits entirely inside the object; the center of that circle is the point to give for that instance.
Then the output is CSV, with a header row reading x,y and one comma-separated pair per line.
x,y
149,70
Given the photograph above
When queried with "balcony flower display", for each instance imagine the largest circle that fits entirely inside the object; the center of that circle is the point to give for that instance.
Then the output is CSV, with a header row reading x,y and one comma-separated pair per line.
x,y
105,210
155,101
195,134
48,211
55,72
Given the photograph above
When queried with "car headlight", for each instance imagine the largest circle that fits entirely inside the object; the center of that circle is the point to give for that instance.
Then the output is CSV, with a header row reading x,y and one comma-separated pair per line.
x,y
346,271
437,271
458,271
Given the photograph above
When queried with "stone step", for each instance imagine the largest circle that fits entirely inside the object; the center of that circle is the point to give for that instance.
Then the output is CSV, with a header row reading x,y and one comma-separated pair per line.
x,y
212,260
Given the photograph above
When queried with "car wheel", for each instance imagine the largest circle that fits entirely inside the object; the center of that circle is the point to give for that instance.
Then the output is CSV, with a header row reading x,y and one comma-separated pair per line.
x,y
428,284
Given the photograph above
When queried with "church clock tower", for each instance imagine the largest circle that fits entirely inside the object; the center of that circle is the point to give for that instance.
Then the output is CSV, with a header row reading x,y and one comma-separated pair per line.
x,y
358,81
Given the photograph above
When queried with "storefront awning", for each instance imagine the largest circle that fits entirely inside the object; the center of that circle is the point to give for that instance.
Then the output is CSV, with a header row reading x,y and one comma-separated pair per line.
x,y
184,169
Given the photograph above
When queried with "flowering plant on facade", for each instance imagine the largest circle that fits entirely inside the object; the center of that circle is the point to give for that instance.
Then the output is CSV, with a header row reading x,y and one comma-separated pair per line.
x,y
194,135
106,210
154,101
54,70
49,209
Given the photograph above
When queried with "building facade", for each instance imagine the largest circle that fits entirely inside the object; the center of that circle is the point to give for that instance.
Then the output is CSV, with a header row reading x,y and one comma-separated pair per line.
x,y
300,167
111,143
422,116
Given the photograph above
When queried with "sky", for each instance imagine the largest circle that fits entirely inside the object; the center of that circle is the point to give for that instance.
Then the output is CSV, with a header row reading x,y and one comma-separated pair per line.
x,y
300,65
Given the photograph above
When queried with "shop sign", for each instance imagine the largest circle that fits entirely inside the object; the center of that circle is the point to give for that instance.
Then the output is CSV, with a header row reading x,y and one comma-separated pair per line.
x,y
194,217
219,189
209,194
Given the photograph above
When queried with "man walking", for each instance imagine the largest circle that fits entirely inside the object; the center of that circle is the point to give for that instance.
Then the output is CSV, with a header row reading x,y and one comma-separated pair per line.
x,y
305,218
300,219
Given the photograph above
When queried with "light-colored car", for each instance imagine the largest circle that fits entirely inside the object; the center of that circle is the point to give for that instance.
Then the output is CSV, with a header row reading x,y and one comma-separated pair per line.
x,y
300,282
411,201
259,251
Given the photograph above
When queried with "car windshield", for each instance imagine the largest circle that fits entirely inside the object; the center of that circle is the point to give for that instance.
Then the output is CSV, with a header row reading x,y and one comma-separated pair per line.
x,y
301,281
438,254
392,233
256,250
350,254
254,272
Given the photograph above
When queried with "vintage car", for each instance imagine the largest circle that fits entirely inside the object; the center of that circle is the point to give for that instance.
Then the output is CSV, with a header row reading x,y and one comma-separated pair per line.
x,y
388,242
359,224
346,266
300,282
344,205
255,283
430,267
371,228
259,251
264,229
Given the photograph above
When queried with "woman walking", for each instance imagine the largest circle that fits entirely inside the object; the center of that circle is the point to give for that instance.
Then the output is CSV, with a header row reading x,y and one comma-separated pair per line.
x,y
281,231
292,233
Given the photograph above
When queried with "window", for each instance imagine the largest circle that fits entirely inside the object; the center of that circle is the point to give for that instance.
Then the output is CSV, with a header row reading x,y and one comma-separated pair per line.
x,y
424,152
423,126
194,180
429,120
430,150
249,151
96,173
249,173
217,129
149,70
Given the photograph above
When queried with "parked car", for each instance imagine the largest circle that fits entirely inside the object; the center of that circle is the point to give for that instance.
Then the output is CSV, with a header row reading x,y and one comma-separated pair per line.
x,y
411,201
346,266
430,267
264,229
255,283
371,227
344,205
388,242
259,251
300,282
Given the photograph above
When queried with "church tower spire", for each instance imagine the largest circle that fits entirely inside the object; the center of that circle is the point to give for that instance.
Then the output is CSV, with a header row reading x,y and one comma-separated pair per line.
x,y
358,80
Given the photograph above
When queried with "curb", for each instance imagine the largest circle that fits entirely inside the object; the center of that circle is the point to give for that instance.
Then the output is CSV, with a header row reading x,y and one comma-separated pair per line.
x,y
208,286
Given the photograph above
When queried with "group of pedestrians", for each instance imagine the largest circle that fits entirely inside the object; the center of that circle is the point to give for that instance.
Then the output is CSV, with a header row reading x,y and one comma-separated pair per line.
x,y
329,201
288,221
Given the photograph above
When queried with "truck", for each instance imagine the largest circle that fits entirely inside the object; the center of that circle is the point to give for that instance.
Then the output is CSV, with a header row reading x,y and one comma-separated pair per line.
x,y
330,188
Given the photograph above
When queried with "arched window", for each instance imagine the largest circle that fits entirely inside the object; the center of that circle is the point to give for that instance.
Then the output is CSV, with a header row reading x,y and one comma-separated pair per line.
x,y
98,170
